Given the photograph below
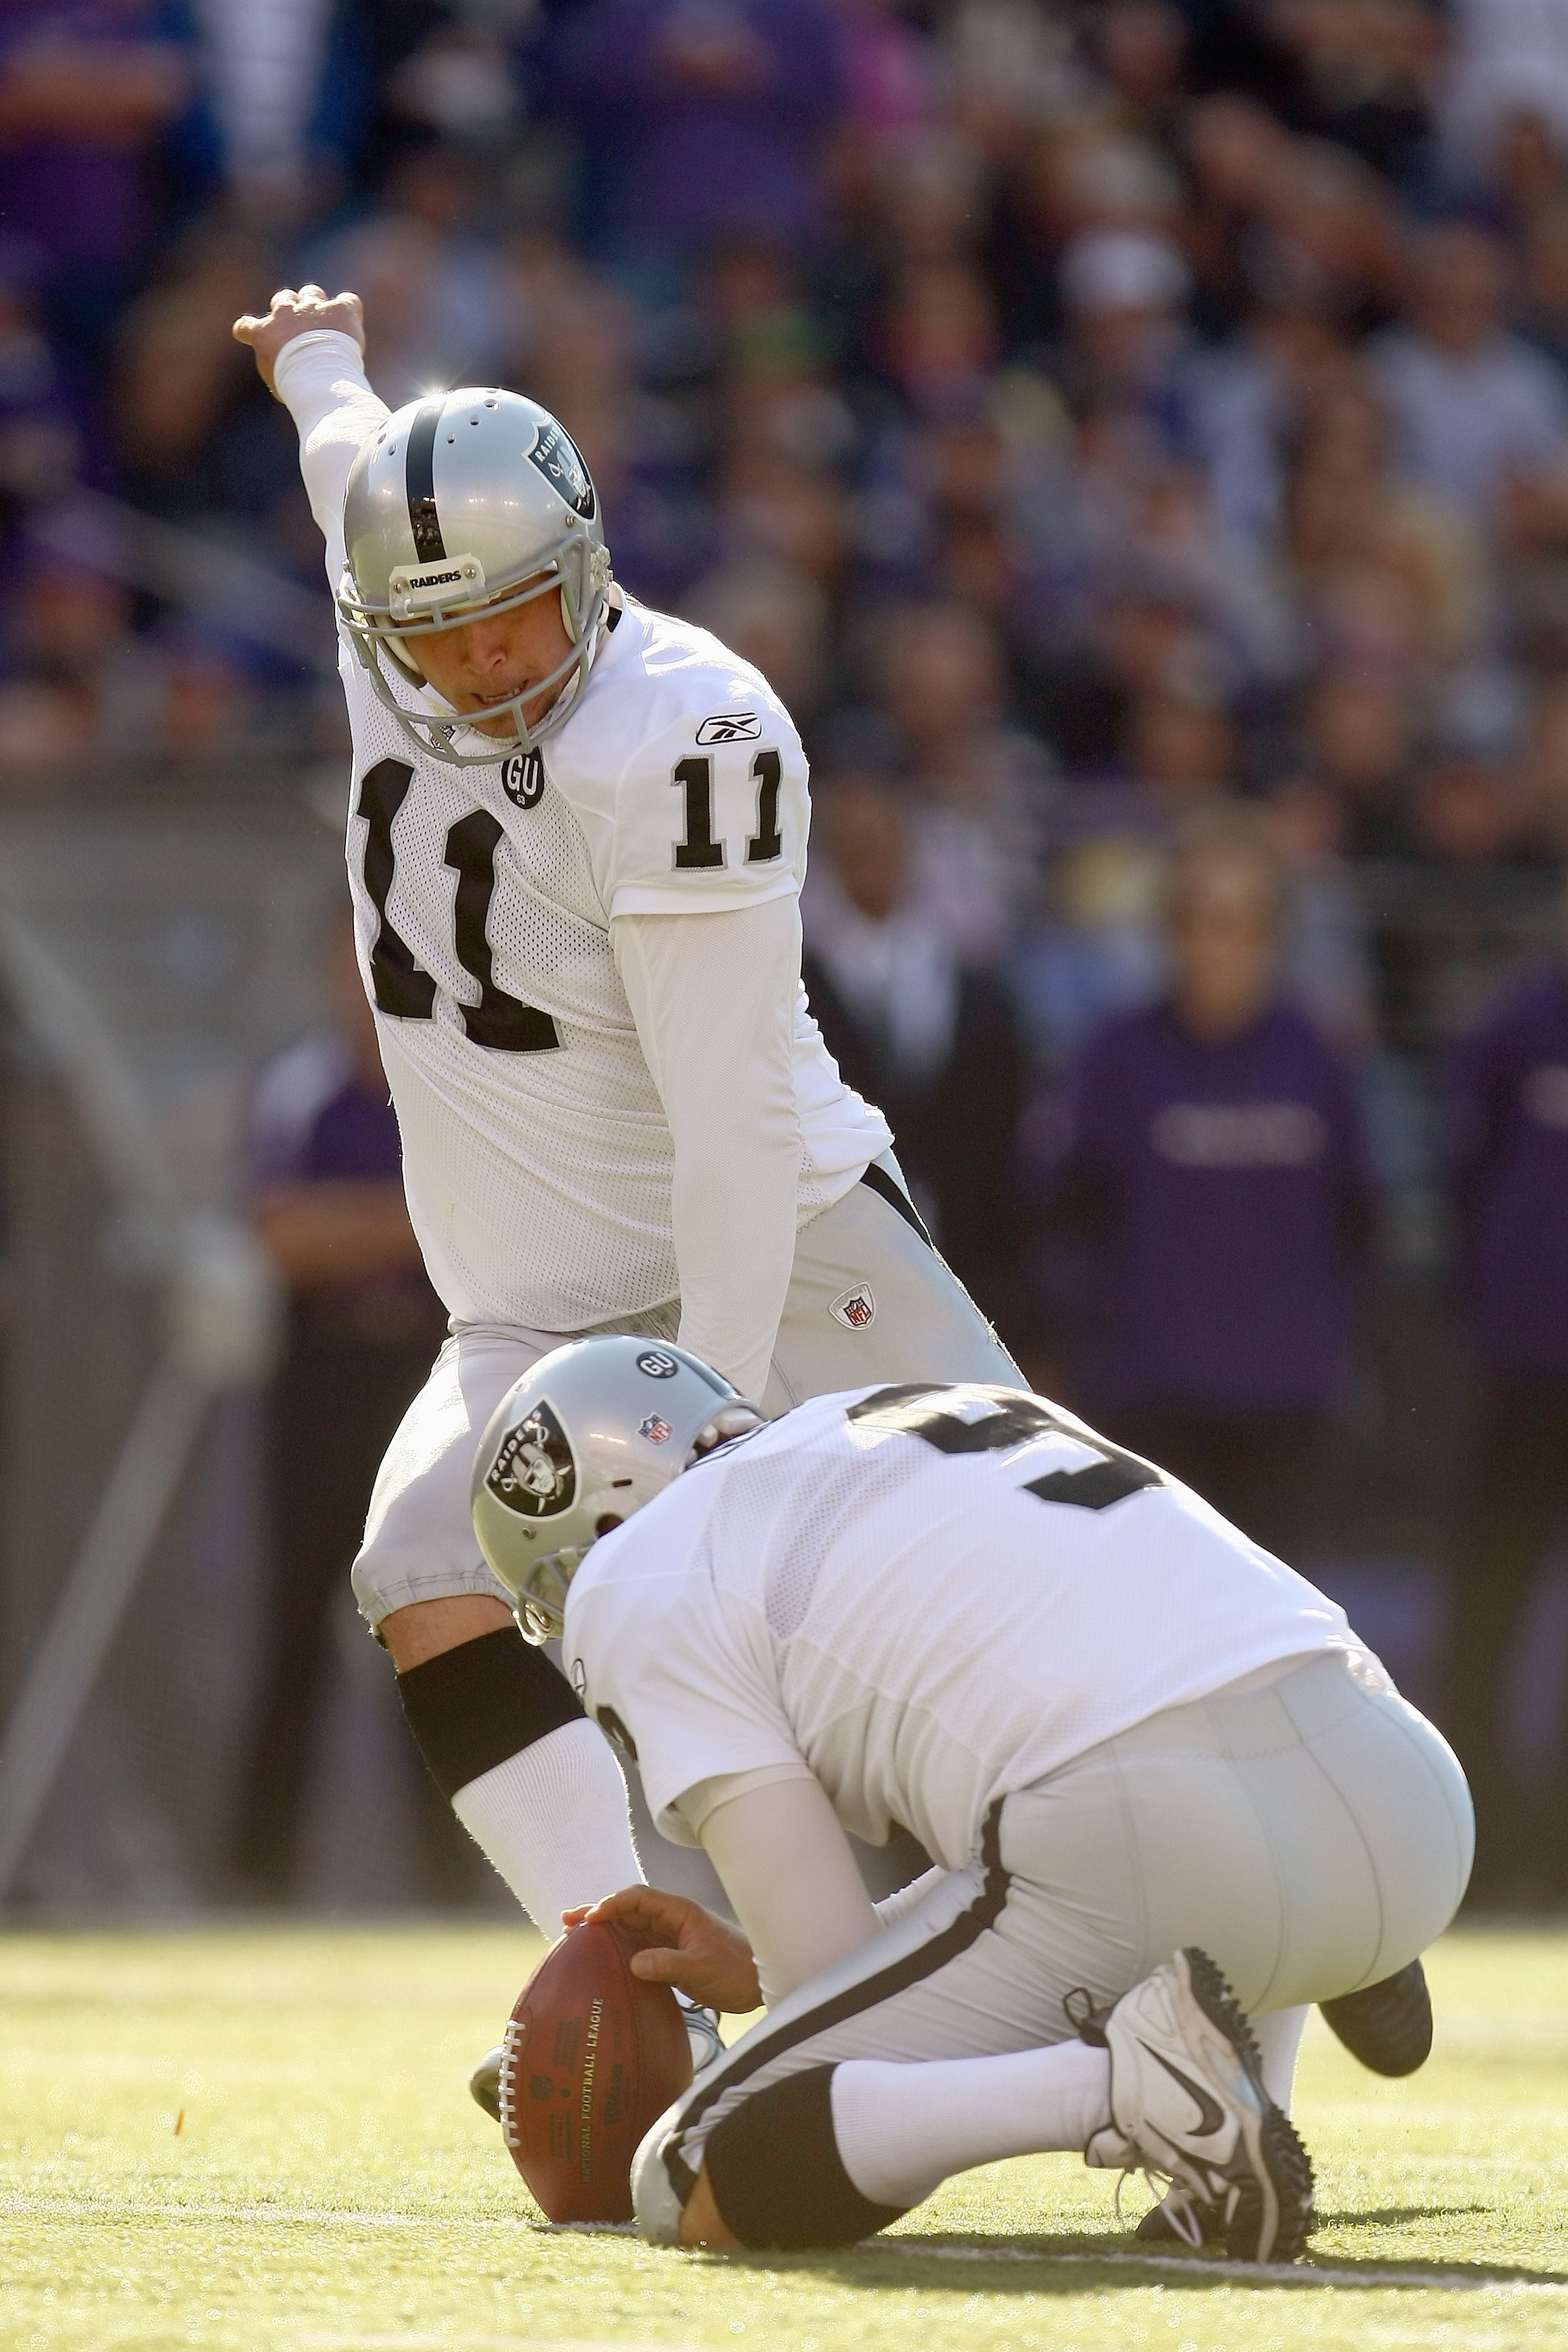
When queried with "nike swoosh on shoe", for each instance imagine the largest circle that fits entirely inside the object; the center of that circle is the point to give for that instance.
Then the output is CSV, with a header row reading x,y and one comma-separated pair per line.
x,y
1211,2114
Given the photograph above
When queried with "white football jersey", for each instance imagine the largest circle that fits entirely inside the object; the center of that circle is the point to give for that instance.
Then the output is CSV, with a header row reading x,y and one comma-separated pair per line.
x,y
537,1156
932,1596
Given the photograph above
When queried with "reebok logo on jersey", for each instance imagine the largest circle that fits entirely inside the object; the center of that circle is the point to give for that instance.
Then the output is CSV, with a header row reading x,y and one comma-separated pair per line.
x,y
856,1309
533,1472
730,727
656,1429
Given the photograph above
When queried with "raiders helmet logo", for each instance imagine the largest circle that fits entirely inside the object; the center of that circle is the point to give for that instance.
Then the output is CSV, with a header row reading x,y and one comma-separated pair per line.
x,y
856,1309
523,779
534,1473
730,727
555,457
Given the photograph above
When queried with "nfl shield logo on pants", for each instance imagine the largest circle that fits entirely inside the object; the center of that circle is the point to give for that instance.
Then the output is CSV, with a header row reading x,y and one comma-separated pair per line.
x,y
856,1309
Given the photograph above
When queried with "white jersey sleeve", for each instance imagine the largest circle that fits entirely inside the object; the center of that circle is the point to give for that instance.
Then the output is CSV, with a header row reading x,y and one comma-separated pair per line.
x,y
714,999
702,821
696,1678
788,1868
320,380
690,781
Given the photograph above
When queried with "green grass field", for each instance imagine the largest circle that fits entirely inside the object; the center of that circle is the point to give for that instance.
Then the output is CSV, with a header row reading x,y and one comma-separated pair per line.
x,y
331,2187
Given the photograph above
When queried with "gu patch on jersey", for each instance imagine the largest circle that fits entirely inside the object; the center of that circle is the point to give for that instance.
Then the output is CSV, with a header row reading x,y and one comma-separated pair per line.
x,y
730,727
533,1472
856,1309
523,779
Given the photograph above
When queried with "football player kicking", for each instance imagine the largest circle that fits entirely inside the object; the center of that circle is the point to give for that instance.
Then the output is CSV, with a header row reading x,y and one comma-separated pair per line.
x,y
1122,1729
576,835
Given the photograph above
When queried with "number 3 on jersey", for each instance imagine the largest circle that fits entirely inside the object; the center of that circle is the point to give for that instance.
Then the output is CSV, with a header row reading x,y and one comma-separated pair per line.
x,y
403,990
1015,1420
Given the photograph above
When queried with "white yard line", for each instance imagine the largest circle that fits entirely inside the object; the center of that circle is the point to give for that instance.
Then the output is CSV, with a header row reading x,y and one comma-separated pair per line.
x,y
1203,2267
1189,2266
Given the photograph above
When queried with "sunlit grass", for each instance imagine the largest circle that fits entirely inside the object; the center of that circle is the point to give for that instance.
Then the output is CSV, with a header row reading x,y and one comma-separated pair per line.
x,y
331,2187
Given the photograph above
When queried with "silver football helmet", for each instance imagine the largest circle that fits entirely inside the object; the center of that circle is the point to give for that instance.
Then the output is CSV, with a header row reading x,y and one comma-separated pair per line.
x,y
594,1431
471,501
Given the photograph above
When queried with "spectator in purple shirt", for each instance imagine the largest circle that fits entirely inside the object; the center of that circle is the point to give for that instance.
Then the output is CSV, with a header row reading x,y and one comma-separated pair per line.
x,y
1210,1187
1510,1131
326,1182
87,87
703,120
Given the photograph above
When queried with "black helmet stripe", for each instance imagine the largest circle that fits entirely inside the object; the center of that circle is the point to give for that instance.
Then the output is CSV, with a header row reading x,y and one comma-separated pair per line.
x,y
424,520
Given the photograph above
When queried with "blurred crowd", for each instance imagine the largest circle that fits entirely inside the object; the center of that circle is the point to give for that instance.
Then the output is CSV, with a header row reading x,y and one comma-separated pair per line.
x,y
1132,435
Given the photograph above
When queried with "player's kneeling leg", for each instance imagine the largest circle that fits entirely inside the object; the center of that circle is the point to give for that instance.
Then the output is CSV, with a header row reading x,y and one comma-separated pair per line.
x,y
773,2171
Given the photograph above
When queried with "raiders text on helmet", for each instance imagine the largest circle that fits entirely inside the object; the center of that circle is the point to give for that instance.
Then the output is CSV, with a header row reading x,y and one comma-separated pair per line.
x,y
593,1432
470,501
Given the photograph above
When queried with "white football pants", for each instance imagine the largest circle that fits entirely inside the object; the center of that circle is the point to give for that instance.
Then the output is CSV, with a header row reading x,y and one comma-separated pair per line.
x,y
868,1300
1312,1836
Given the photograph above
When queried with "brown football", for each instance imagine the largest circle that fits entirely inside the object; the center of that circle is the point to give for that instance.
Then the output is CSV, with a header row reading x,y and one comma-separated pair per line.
x,y
593,2057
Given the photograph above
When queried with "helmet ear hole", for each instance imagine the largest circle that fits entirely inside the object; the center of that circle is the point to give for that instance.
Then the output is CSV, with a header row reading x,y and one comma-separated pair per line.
x,y
605,1521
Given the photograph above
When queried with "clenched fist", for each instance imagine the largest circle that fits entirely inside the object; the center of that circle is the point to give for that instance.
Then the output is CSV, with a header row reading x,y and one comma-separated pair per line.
x,y
296,313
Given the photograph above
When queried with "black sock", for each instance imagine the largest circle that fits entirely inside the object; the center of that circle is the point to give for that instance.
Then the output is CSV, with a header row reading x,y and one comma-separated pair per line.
x,y
473,1707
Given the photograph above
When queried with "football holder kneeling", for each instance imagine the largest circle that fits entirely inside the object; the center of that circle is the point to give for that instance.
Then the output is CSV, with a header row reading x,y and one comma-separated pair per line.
x,y
593,2057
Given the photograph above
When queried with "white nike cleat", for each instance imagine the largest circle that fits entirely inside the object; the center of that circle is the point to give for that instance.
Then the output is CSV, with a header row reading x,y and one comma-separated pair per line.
x,y
1187,2103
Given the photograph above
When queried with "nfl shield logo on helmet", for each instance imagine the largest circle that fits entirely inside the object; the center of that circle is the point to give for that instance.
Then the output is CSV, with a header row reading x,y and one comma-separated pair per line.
x,y
656,1429
856,1309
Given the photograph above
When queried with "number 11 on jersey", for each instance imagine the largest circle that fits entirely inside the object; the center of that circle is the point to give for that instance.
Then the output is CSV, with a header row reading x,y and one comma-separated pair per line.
x,y
700,852
402,989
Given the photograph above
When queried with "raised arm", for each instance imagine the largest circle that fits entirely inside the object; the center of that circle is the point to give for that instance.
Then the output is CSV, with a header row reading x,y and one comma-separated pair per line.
x,y
310,353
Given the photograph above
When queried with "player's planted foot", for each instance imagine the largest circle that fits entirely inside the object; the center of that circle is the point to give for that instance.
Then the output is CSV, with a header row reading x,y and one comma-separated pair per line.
x,y
484,2083
1187,2100
1387,2026
1180,2219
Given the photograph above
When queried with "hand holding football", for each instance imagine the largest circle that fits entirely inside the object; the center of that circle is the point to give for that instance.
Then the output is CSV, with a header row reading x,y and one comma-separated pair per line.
x,y
682,1944
593,2056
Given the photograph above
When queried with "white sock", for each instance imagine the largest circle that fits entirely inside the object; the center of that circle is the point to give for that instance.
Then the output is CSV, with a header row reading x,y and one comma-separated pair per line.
x,y
903,2129
553,1821
1278,2037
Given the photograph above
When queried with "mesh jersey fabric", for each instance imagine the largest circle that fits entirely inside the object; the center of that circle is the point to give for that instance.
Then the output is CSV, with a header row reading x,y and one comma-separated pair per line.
x,y
901,1612
539,1182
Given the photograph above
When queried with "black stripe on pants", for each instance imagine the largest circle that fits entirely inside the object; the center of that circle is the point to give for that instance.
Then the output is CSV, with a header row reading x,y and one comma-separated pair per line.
x,y
760,2047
